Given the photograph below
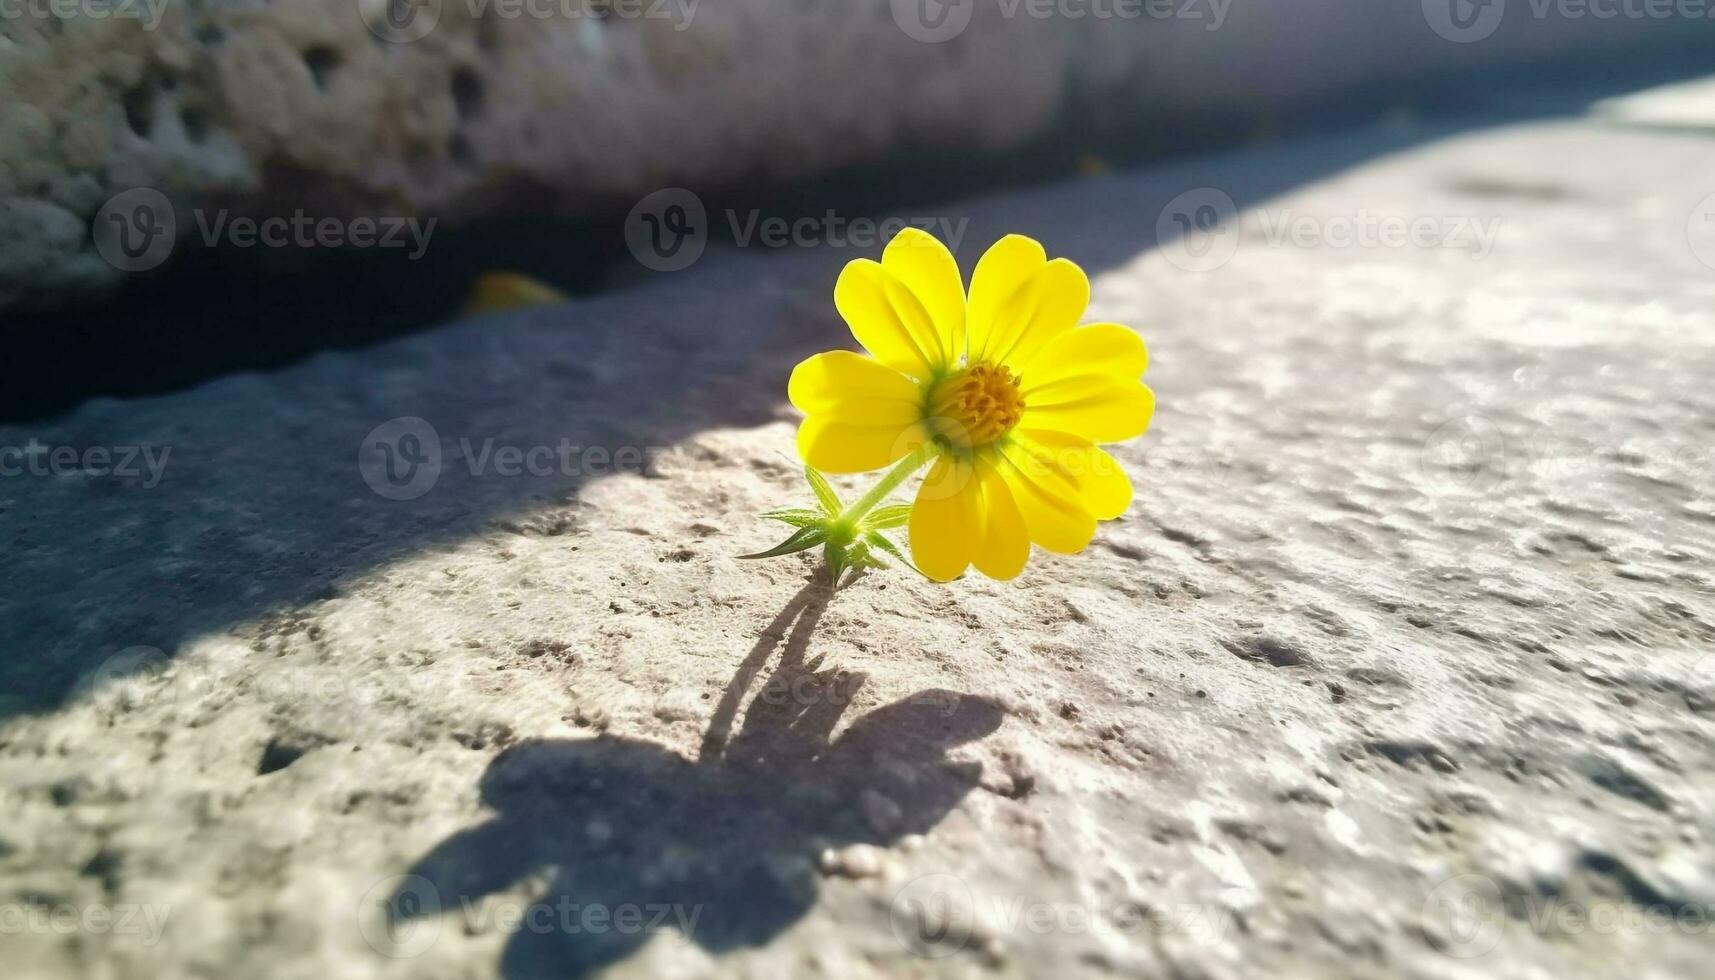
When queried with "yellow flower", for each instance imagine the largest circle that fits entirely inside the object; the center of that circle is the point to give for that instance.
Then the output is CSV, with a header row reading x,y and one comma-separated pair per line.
x,y
1003,389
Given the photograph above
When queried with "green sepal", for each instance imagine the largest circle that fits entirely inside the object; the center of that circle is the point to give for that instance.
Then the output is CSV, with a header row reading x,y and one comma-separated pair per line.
x,y
824,491
888,516
801,540
879,540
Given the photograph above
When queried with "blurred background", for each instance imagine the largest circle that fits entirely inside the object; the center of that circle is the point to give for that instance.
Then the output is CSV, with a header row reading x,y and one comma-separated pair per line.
x,y
145,144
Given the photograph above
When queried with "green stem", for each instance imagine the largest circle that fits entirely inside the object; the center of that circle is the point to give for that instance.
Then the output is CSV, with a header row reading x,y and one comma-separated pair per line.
x,y
899,474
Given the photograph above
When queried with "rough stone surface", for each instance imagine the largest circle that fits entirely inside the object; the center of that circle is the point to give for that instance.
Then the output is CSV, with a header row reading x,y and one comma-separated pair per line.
x,y
270,108
1412,611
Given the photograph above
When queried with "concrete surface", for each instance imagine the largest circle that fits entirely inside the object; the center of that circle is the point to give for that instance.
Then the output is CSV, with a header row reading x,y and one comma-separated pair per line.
x,y
1399,665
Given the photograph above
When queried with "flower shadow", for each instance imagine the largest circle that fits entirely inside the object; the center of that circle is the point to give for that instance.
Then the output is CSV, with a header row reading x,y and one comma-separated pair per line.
x,y
635,839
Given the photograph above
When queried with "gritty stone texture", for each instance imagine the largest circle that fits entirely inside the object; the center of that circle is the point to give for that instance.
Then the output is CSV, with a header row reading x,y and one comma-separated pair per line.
x,y
1412,612
269,108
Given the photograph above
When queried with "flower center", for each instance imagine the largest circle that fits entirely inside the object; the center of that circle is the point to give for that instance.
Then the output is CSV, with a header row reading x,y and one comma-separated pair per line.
x,y
977,405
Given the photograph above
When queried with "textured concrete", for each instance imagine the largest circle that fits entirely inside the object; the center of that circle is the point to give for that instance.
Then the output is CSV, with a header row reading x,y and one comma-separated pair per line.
x,y
275,108
1398,664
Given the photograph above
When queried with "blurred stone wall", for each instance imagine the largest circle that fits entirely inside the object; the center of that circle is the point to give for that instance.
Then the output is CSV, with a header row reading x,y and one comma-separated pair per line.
x,y
456,108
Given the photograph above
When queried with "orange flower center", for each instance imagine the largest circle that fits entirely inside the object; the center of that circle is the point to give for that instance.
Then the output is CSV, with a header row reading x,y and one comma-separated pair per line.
x,y
976,406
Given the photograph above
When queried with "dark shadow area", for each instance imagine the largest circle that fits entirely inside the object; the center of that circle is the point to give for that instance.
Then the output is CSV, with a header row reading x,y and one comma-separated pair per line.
x,y
723,850
212,311
263,509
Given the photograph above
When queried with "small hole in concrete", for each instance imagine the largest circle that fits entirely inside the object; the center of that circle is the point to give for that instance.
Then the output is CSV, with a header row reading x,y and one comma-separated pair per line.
x,y
139,104
467,93
321,61
195,123
458,148
278,755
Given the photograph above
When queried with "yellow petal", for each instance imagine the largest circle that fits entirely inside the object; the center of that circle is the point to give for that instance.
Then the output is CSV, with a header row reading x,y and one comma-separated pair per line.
x,y
1001,291
849,387
920,264
861,297
1096,407
496,291
1053,515
836,446
1100,482
1005,544
1062,294
947,520
1100,348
